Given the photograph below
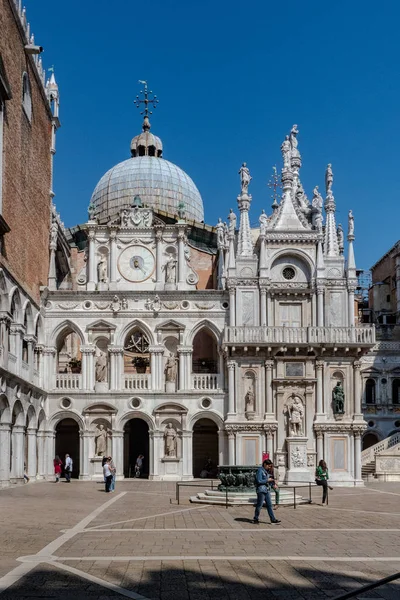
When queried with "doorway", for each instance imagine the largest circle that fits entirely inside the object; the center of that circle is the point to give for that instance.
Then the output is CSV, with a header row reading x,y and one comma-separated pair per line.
x,y
136,441
67,442
205,447
369,439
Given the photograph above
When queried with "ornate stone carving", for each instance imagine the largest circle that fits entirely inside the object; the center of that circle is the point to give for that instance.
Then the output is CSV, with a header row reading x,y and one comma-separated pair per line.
x,y
294,410
245,178
232,221
153,304
170,369
338,399
297,457
170,269
170,437
263,220
101,366
102,270
286,151
67,305
351,223
101,436
205,305
117,304
170,305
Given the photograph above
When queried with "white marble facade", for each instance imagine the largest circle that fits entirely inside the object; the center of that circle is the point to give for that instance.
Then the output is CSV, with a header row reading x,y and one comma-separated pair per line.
x,y
131,350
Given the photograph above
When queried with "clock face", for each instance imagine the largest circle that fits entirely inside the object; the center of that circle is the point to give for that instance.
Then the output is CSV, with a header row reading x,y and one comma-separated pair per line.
x,y
136,263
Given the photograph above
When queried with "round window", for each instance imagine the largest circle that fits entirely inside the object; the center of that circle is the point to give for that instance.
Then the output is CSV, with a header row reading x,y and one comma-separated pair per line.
x,y
206,403
288,273
87,304
66,403
397,423
371,423
225,305
185,304
135,402
383,380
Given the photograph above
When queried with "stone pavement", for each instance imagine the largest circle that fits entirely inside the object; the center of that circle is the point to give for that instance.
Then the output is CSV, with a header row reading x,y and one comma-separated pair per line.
x,y
73,541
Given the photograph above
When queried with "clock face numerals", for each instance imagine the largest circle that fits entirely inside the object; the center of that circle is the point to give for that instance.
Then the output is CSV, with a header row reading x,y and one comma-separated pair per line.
x,y
136,263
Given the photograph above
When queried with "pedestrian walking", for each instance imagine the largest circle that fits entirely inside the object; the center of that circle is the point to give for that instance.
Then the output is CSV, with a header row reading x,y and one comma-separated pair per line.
x,y
26,478
139,465
113,473
68,468
57,468
263,482
321,478
274,485
107,474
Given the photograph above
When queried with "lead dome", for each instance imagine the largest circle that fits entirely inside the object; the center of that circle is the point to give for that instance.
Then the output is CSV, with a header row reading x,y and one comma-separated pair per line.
x,y
159,183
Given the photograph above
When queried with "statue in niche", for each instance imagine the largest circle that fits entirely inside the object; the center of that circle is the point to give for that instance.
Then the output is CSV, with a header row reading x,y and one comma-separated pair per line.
x,y
170,269
100,437
351,223
101,366
170,368
102,269
338,399
245,178
220,233
328,180
250,401
170,436
295,411
232,221
263,220
286,150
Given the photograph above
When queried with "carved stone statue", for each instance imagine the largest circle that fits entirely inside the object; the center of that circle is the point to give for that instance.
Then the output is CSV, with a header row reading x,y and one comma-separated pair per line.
x,y
101,366
220,227
351,223
245,178
102,269
263,222
232,221
295,411
170,368
328,180
293,140
302,198
170,270
338,399
250,401
286,150
340,238
170,436
101,440
317,203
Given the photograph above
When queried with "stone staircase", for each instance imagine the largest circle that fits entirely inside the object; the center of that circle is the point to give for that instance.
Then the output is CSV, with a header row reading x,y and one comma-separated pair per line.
x,y
237,498
368,457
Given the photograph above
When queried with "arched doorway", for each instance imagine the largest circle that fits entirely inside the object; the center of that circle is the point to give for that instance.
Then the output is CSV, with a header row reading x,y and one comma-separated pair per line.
x,y
205,446
369,439
67,442
136,441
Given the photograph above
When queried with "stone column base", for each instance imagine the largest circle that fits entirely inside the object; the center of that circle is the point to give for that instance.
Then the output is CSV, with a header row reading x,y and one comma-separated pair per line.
x,y
297,461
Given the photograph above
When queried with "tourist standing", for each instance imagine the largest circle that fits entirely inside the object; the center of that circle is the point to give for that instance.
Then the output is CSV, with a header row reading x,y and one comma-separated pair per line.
x,y
113,473
68,468
139,465
107,474
57,468
321,478
103,462
263,481
274,485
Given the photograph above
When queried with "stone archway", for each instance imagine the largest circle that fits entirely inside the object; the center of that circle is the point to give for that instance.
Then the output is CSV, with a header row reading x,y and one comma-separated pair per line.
x,y
369,439
205,446
136,441
67,442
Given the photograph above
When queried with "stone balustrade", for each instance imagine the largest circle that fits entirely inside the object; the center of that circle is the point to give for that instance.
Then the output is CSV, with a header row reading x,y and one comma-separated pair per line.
x,y
205,381
300,335
369,454
68,381
137,381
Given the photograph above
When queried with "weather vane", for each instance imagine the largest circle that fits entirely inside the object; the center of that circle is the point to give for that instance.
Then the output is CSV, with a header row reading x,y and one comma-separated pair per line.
x,y
274,184
146,100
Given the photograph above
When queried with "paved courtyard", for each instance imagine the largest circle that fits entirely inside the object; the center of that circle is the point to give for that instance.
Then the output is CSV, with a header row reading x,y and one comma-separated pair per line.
x,y
74,541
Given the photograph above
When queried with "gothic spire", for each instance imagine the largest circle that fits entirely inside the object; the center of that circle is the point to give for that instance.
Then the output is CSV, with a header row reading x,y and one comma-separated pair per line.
x,y
245,245
331,238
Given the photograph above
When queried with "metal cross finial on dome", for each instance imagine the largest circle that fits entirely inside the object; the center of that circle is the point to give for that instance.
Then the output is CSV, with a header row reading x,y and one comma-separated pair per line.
x,y
274,184
146,101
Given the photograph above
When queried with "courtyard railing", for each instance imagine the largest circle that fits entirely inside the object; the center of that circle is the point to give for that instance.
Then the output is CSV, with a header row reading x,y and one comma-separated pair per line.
x,y
205,381
299,335
369,454
68,381
137,381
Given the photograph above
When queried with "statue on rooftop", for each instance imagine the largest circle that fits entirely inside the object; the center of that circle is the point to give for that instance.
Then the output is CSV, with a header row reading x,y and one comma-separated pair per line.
x,y
293,140
328,180
286,150
340,237
232,221
351,223
263,220
245,178
220,227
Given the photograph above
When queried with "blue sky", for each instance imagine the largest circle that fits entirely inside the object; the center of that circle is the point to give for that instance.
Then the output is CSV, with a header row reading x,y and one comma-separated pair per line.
x,y
232,78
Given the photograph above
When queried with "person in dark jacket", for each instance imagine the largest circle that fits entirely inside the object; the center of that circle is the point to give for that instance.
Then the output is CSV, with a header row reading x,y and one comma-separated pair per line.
x,y
263,482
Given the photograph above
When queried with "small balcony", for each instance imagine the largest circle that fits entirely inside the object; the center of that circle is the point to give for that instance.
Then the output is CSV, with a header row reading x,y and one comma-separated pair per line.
x,y
205,381
68,381
137,381
311,336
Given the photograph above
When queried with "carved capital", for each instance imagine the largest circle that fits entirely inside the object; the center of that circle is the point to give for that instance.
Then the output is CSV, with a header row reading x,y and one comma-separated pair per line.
x,y
357,365
49,350
231,365
115,349
269,364
319,365
88,349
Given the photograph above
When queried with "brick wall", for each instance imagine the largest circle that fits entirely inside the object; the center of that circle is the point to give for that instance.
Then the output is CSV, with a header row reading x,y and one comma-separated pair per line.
x,y
26,166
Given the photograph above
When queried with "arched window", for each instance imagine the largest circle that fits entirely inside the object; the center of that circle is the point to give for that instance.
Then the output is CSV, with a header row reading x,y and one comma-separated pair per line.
x,y
396,391
205,353
370,391
26,96
136,352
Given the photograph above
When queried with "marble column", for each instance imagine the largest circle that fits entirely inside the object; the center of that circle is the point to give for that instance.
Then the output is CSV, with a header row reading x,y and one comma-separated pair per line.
x,y
320,306
50,442
32,452
31,356
319,367
5,439
231,448
231,387
263,307
52,278
320,446
116,378
4,333
88,371
232,306
187,454
159,260
221,447
113,257
269,408
86,437
270,443
49,367
357,390
357,458
351,306
117,440
41,469
18,438
181,260
91,284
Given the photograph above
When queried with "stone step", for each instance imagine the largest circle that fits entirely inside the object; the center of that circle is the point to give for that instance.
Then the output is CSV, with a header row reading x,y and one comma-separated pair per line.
x,y
234,498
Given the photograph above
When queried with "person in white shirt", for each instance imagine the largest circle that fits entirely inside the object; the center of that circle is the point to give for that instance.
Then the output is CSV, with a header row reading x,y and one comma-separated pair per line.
x,y
68,468
107,474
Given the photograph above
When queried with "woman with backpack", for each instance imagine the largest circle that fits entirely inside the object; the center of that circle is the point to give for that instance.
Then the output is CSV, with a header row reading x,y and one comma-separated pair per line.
x,y
321,478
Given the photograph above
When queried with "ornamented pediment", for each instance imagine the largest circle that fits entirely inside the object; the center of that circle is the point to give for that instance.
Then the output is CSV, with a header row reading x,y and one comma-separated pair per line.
x,y
98,409
170,408
171,324
101,325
